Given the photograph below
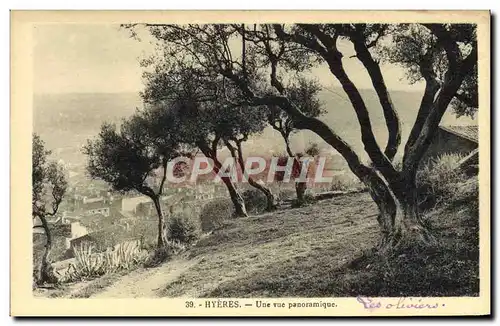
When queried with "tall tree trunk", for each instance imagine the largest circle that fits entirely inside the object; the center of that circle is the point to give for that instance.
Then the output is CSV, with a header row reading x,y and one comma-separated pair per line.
x,y
45,274
238,202
300,187
162,228
271,200
410,227
288,149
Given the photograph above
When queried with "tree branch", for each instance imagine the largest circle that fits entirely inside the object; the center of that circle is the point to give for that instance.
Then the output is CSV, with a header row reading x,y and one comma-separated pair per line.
x,y
448,91
334,59
378,82
164,177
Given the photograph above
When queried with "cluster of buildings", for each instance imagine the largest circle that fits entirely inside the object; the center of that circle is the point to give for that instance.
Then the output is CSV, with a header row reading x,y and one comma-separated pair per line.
x,y
105,219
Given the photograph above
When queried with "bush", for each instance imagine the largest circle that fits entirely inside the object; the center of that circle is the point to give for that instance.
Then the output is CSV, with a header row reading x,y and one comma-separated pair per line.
x,y
345,183
182,229
285,193
255,201
91,264
312,149
308,200
158,256
441,181
214,213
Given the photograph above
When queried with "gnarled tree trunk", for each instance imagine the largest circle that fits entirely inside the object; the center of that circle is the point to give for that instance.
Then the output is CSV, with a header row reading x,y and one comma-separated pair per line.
x,y
271,200
45,274
238,202
162,227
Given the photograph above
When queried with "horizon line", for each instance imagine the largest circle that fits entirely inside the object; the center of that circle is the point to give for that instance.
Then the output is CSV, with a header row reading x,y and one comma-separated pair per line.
x,y
138,91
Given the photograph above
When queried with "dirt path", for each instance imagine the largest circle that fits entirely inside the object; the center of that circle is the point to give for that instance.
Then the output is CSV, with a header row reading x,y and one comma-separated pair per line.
x,y
146,283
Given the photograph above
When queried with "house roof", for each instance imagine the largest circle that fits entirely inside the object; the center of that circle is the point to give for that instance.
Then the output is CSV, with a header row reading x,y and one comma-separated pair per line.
x,y
94,205
467,132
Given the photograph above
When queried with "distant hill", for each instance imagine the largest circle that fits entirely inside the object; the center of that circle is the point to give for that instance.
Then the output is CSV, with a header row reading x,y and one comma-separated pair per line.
x,y
66,121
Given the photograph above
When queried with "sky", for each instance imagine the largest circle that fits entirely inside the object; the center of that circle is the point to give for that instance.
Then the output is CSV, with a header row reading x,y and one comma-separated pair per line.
x,y
97,58
86,59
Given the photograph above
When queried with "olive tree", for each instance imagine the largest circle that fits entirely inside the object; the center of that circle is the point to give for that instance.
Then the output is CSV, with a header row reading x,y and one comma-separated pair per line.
x,y
128,158
49,186
443,56
206,117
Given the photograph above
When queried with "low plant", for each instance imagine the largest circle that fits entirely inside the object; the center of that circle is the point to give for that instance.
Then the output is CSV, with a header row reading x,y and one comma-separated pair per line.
x,y
255,201
183,230
442,181
91,264
158,256
345,183
309,199
214,213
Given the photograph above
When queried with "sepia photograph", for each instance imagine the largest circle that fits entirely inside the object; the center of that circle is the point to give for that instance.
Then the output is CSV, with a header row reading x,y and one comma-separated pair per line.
x,y
251,164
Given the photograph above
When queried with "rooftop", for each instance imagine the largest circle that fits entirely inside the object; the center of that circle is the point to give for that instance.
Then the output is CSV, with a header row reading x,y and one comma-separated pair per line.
x,y
467,132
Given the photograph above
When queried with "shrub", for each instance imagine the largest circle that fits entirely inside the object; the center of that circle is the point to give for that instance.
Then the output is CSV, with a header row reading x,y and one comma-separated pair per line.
x,y
312,149
182,229
158,256
345,183
91,264
255,201
214,213
442,181
283,194
308,200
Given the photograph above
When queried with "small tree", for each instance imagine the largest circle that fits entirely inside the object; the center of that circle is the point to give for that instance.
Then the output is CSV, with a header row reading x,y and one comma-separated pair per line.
x,y
203,117
302,92
235,125
128,159
49,186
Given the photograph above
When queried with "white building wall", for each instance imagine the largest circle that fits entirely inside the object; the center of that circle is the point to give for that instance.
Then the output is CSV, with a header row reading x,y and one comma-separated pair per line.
x,y
130,204
77,230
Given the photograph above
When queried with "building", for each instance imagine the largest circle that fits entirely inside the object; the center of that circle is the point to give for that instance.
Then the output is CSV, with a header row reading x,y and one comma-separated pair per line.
x,y
77,231
92,206
130,204
453,140
106,238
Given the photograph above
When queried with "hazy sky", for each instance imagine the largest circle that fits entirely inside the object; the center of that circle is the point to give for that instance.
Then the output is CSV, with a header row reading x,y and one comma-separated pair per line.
x,y
102,58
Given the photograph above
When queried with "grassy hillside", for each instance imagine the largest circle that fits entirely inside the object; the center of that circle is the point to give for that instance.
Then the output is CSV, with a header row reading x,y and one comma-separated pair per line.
x,y
326,250
323,250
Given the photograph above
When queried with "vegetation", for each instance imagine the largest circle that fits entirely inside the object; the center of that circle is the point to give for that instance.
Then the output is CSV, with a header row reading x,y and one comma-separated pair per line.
x,y
214,213
49,186
183,229
254,201
345,182
442,181
444,57
92,264
128,159
200,95
329,250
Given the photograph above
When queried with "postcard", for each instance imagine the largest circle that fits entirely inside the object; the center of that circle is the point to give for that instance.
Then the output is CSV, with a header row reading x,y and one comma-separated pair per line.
x,y
250,163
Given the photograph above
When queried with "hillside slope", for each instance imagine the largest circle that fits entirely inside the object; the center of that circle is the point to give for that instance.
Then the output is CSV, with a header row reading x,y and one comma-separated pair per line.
x,y
316,251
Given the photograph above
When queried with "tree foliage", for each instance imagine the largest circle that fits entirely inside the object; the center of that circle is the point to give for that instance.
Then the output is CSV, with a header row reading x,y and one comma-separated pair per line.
x,y
48,181
444,56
